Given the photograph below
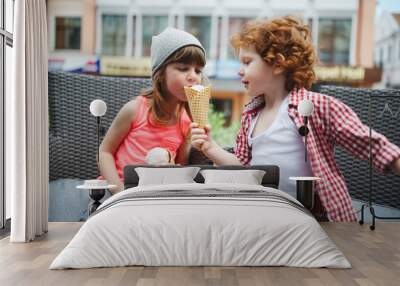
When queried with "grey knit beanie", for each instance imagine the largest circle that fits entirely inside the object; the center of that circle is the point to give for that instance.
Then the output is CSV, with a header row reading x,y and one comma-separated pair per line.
x,y
167,42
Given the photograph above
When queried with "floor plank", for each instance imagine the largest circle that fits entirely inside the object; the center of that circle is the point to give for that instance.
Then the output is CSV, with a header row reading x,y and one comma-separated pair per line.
x,y
374,255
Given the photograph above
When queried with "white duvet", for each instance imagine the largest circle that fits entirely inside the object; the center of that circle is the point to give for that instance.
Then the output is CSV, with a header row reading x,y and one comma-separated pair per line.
x,y
207,230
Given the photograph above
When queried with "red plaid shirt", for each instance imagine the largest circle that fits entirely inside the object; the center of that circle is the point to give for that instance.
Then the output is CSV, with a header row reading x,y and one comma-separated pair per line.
x,y
332,123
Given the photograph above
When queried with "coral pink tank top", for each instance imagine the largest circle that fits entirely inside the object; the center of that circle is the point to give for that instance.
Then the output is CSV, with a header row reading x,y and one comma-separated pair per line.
x,y
145,135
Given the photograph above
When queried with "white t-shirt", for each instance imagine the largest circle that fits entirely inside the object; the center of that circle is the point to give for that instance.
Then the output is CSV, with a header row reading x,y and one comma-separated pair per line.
x,y
281,144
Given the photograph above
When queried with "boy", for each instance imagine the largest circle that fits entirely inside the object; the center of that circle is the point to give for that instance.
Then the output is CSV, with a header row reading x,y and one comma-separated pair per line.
x,y
277,59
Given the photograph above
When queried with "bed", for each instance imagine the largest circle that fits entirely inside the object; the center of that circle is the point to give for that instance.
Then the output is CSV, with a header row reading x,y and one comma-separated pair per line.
x,y
217,219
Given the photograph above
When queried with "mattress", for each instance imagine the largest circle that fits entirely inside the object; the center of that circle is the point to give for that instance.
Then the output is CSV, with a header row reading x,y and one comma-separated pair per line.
x,y
201,225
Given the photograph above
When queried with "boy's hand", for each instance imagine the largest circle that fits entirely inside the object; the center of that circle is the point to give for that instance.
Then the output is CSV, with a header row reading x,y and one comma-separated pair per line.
x,y
200,137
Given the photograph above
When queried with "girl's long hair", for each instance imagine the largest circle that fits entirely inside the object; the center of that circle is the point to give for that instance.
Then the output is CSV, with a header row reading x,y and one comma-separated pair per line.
x,y
159,105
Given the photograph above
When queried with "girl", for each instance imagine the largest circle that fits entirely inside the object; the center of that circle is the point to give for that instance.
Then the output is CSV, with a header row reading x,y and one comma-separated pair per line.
x,y
160,116
277,59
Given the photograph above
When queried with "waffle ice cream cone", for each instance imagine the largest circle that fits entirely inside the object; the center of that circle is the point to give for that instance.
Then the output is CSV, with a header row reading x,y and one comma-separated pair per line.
x,y
199,100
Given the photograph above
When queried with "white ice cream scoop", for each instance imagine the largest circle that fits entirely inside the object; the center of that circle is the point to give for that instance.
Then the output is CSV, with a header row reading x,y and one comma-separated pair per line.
x,y
197,87
158,156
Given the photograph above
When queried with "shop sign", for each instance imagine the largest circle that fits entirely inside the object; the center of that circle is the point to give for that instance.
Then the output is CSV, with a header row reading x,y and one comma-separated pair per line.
x,y
340,73
125,66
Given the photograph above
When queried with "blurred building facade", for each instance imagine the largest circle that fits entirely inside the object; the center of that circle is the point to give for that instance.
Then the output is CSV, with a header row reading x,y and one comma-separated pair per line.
x,y
387,49
113,37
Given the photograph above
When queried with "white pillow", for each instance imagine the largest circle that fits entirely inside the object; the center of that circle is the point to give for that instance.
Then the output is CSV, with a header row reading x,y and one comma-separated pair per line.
x,y
249,177
164,176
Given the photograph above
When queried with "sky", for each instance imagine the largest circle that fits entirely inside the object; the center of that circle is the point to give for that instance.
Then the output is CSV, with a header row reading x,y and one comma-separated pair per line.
x,y
388,5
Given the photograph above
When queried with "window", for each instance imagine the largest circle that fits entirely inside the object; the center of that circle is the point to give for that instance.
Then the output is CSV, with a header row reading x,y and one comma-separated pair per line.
x,y
225,107
68,33
6,44
134,35
310,25
200,27
152,25
381,59
398,49
8,8
334,41
113,40
235,24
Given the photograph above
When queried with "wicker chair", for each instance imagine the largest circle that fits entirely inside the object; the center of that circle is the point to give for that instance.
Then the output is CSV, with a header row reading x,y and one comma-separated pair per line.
x,y
72,137
73,128
385,107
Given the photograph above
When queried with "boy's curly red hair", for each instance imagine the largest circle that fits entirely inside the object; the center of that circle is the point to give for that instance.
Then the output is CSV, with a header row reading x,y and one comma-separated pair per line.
x,y
285,38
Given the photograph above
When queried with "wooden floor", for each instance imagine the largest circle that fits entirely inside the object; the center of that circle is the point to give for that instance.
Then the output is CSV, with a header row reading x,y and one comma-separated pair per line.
x,y
374,255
